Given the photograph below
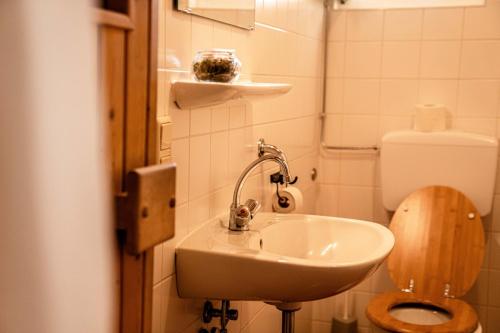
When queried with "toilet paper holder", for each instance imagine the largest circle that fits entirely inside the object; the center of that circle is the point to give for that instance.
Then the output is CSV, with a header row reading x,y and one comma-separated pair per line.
x,y
277,178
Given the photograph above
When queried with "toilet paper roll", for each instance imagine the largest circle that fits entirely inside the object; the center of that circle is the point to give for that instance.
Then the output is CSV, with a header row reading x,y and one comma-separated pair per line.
x,y
430,118
294,201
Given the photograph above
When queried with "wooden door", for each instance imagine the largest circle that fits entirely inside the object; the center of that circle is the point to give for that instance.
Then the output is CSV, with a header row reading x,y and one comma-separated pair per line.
x,y
127,89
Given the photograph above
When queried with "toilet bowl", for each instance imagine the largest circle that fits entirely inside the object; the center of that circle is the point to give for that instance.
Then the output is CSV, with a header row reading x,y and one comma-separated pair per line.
x,y
437,256
439,235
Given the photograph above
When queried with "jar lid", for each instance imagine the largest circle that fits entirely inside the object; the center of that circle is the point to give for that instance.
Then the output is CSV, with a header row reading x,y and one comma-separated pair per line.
x,y
217,51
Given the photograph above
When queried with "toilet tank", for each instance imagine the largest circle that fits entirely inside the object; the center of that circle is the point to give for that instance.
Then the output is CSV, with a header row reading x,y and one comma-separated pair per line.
x,y
410,160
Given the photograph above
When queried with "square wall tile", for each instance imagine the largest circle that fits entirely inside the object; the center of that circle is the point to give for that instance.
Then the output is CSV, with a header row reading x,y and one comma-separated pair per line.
x,y
176,312
266,321
241,42
321,327
478,294
237,116
248,311
356,202
337,25
181,230
362,59
398,97
440,59
220,118
201,34
357,169
323,309
219,167
157,301
238,152
178,37
200,121
198,212
180,155
361,96
494,258
361,301
364,25
333,129
381,281
493,324
359,130
494,288
329,168
400,59
157,263
405,24
482,22
495,214
443,23
220,200
181,122
334,95
480,59
161,34
394,123
479,98
162,101
327,203
336,59
199,166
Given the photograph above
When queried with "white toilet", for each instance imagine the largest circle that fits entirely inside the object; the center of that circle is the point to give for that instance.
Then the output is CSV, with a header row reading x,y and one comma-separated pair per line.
x,y
434,182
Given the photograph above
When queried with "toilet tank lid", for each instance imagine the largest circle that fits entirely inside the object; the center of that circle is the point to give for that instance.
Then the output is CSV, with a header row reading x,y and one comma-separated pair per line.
x,y
448,138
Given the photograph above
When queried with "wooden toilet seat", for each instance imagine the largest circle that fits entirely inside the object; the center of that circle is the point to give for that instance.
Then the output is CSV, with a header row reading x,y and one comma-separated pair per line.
x,y
463,317
437,256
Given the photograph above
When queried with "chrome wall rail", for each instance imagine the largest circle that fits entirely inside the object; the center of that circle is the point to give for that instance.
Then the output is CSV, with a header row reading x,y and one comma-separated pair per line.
x,y
327,147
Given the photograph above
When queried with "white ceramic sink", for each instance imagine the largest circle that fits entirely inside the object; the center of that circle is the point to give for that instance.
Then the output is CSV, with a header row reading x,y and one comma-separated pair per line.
x,y
283,258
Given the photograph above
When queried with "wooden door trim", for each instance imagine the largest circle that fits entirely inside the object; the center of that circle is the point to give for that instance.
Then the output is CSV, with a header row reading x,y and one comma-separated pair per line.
x,y
137,278
113,19
139,25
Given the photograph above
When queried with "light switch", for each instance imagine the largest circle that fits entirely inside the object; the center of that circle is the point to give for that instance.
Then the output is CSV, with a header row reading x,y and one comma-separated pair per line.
x,y
165,136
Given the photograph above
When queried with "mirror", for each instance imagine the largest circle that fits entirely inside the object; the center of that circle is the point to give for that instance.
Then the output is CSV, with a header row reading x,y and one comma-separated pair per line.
x,y
240,13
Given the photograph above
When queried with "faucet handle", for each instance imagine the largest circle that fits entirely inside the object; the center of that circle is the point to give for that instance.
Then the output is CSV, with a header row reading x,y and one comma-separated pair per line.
x,y
243,211
254,206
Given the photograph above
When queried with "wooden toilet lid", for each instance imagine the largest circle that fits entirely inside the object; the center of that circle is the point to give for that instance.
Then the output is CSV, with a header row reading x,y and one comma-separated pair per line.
x,y
439,243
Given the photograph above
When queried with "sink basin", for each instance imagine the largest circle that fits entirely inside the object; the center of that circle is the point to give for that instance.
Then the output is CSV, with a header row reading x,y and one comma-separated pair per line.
x,y
283,258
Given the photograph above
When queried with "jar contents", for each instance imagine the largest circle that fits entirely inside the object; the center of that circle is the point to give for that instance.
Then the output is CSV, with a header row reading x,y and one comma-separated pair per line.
x,y
217,65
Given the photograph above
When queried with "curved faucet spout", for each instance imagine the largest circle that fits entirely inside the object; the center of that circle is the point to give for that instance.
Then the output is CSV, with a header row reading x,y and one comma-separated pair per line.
x,y
285,170
241,215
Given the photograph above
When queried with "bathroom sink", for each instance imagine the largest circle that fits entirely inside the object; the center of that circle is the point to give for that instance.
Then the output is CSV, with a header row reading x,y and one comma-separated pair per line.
x,y
282,258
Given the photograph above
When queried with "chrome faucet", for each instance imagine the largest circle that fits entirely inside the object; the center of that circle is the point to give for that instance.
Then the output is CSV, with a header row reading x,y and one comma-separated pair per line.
x,y
240,215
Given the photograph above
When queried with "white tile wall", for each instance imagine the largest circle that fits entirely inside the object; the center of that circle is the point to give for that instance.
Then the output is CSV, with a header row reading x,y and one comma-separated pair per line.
x,y
211,146
380,64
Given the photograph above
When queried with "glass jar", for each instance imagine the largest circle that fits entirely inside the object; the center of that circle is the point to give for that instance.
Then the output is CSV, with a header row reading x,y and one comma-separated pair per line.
x,y
216,65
